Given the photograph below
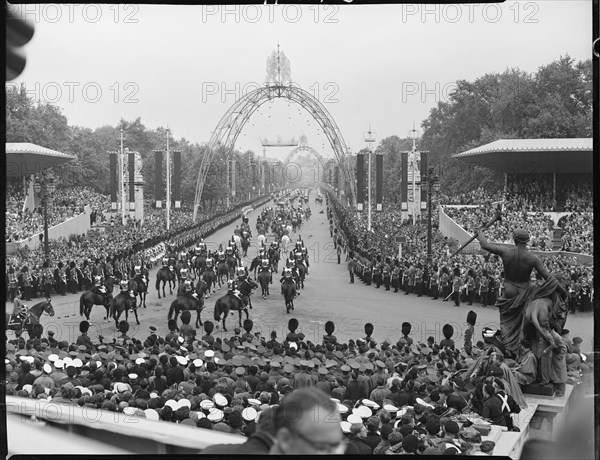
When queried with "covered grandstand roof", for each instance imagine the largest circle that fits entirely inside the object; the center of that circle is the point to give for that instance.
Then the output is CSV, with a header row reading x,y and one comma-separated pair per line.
x,y
533,156
24,158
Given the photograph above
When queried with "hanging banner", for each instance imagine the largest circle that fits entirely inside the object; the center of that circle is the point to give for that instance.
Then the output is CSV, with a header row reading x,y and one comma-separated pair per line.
x,y
404,187
131,180
158,178
360,181
176,191
232,177
379,182
424,171
113,180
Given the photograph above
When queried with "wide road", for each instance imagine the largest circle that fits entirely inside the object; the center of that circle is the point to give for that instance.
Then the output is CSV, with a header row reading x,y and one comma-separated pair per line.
x,y
328,295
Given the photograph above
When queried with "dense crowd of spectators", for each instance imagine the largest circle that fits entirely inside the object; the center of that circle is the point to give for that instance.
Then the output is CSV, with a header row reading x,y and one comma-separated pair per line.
x,y
132,244
578,232
476,278
65,203
405,396
539,226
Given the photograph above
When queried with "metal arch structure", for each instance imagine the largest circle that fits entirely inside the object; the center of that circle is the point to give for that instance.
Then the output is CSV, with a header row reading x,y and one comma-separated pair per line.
x,y
232,123
306,148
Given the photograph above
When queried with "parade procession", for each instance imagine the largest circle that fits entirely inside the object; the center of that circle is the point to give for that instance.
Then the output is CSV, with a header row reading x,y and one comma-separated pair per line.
x,y
222,268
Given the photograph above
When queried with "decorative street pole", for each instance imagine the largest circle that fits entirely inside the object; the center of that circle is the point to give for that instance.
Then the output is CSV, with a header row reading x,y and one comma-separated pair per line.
x,y
45,187
432,182
369,139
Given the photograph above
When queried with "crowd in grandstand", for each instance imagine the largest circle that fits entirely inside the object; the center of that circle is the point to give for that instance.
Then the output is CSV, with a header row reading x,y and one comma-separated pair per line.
x,y
470,278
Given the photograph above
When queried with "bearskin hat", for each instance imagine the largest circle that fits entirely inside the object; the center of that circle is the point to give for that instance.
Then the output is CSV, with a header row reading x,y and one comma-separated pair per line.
x,y
369,329
329,327
186,316
123,327
172,325
248,325
208,327
293,324
84,326
448,331
406,327
472,318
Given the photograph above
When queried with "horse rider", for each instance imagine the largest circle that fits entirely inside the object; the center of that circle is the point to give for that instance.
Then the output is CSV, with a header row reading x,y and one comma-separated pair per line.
x,y
98,269
99,288
241,273
124,286
235,239
232,290
265,267
220,254
288,275
187,289
210,263
19,313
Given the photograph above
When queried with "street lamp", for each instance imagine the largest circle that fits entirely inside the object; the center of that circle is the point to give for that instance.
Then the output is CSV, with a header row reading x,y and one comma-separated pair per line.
x,y
432,183
45,188
369,139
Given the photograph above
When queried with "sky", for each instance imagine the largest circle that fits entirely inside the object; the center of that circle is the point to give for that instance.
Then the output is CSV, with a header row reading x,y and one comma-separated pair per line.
x,y
384,66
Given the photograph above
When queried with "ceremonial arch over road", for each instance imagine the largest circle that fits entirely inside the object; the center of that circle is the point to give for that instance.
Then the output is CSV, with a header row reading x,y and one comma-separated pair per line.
x,y
280,86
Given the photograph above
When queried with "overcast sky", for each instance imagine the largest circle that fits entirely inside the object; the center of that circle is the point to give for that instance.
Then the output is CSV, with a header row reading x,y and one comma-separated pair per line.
x,y
387,65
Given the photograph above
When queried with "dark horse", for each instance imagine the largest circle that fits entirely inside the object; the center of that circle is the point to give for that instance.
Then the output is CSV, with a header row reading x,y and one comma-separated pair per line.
x,y
209,278
254,265
245,242
90,298
141,288
246,287
123,302
32,317
222,270
226,303
187,302
165,275
264,278
301,274
289,292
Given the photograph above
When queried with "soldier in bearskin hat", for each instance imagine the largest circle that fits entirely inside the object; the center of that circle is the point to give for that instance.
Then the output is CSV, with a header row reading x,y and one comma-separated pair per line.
x,y
448,332
292,336
84,339
329,338
471,320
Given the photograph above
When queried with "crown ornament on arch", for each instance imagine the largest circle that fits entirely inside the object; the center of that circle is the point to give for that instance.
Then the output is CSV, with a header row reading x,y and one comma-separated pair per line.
x,y
279,70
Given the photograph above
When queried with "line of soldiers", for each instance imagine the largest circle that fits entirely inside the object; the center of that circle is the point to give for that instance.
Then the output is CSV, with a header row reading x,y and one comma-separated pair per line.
x,y
434,281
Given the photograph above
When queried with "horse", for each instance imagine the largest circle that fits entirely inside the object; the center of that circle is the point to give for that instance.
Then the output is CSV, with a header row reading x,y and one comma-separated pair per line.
x,y
274,260
226,303
246,287
199,263
289,292
201,287
245,243
123,302
165,275
141,288
265,278
232,263
301,274
90,298
209,278
187,302
254,265
32,317
222,270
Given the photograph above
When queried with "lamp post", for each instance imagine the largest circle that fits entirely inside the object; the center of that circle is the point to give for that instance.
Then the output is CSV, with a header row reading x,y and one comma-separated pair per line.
x,y
432,182
45,187
369,139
